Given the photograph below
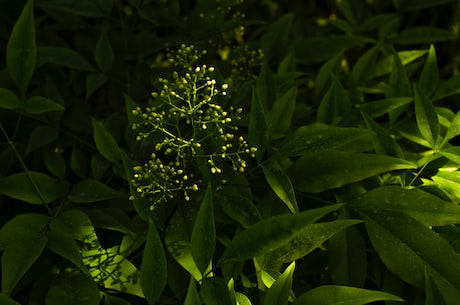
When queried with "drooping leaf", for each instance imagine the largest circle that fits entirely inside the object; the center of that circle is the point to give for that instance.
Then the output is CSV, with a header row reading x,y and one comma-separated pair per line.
x,y
9,100
278,293
320,171
319,137
21,50
105,142
214,291
415,203
426,117
337,295
306,240
203,240
153,269
92,190
17,258
30,187
271,233
73,289
280,184
430,75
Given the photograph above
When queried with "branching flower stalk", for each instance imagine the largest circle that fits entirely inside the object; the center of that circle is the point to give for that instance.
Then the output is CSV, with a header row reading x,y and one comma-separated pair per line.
x,y
191,133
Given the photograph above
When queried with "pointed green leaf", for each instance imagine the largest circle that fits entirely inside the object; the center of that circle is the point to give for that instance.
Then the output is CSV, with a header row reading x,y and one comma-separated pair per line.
x,y
153,269
5,300
21,227
192,297
319,137
338,295
239,208
278,293
214,291
335,104
280,115
426,117
258,133
17,258
103,53
9,100
271,233
203,242
105,142
330,67
449,182
362,70
73,289
398,85
39,104
430,75
280,184
454,128
415,203
384,143
385,65
452,154
447,88
31,187
63,57
309,238
62,243
21,49
377,108
242,299
422,35
91,190
320,171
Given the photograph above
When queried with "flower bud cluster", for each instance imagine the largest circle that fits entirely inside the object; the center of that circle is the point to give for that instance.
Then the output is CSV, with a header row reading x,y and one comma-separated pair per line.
x,y
185,126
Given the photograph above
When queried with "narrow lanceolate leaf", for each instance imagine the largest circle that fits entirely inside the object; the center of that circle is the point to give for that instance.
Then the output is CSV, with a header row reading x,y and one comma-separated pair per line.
x,y
105,143
384,143
279,292
430,75
415,203
426,117
63,244
338,295
280,184
192,297
17,258
453,130
335,104
21,50
204,233
39,104
153,268
398,85
271,234
73,289
31,187
320,171
214,291
280,116
413,246
258,132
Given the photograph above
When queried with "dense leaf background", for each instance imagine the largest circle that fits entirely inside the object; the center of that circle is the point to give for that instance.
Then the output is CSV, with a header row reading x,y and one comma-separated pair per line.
x,y
352,195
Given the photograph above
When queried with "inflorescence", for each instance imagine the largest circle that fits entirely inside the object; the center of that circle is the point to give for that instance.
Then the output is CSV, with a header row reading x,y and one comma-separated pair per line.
x,y
191,133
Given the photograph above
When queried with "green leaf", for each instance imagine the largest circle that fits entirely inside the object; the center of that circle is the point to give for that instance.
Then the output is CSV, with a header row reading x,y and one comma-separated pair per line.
x,y
5,300
153,268
22,227
330,67
63,244
55,163
63,57
320,171
258,134
242,299
276,33
430,75
452,154
39,104
415,203
449,182
111,219
240,208
41,136
21,49
384,143
319,137
93,82
378,108
73,289
426,117
385,65
362,70
398,84
278,293
309,238
91,190
214,291
280,184
30,187
178,236
335,104
203,240
9,100
105,143
422,35
192,297
280,116
408,239
271,234
447,88
453,130
338,295
103,53
17,258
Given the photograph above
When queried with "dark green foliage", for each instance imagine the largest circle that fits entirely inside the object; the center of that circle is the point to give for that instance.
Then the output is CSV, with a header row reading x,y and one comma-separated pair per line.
x,y
229,152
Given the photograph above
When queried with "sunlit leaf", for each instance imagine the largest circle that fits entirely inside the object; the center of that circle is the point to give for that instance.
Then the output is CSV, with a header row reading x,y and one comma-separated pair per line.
x,y
278,293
